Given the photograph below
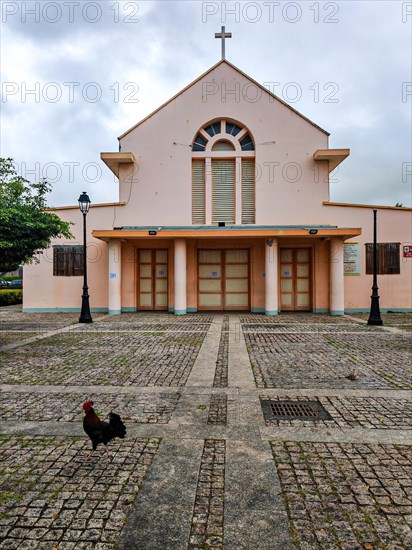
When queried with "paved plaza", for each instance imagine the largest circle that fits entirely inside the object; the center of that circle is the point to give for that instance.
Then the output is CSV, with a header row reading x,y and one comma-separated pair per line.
x,y
202,466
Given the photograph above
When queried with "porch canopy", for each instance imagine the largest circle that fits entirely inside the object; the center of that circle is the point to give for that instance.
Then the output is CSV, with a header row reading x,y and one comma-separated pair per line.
x,y
231,231
271,234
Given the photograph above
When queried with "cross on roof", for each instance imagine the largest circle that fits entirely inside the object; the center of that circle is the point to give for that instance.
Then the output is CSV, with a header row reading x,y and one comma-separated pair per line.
x,y
223,35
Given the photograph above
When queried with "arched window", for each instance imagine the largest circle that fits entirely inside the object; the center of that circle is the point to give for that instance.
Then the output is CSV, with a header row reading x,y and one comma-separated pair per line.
x,y
223,174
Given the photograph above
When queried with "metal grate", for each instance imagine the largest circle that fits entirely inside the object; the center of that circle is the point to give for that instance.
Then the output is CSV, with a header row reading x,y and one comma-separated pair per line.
x,y
294,410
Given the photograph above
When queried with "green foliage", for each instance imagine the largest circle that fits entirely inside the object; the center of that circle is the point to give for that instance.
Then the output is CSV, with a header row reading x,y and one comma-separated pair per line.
x,y
10,297
25,227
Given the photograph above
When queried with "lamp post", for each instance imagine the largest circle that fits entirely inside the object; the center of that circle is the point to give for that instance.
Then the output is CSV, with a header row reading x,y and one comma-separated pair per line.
x,y
85,317
375,314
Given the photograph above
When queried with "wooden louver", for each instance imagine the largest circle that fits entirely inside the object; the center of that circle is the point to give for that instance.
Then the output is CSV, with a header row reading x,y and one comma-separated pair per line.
x,y
68,261
248,191
198,191
223,174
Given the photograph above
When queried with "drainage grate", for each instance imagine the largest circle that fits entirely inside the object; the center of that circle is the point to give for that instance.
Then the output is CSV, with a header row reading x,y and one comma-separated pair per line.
x,y
294,410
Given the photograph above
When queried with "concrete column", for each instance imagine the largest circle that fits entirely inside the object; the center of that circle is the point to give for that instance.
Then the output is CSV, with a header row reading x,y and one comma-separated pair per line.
x,y
180,276
337,299
115,277
271,277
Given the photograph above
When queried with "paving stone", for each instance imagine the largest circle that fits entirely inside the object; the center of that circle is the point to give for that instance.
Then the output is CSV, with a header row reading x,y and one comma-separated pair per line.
x,y
222,362
61,508
148,408
326,360
385,525
207,521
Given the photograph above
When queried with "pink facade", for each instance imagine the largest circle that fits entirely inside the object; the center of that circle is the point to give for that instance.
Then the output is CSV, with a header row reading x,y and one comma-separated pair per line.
x,y
226,150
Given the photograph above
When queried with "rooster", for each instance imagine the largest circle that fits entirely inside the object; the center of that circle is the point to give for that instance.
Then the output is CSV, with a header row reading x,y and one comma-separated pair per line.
x,y
99,431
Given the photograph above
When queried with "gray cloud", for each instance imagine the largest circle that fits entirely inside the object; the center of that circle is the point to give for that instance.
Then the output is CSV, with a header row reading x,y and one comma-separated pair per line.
x,y
360,61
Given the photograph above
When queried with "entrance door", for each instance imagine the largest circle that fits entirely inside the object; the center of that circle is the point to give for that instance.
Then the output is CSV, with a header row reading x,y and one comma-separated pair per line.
x,y
295,279
223,277
152,279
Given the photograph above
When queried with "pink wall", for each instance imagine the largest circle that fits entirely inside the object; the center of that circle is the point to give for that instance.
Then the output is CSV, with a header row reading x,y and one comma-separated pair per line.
x,y
44,291
160,193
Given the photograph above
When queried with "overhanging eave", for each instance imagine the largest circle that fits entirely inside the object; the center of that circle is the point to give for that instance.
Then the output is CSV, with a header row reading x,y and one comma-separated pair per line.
x,y
232,232
113,160
333,156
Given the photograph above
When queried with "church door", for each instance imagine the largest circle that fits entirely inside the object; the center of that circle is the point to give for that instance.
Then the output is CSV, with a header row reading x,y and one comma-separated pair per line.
x,y
295,279
152,280
223,279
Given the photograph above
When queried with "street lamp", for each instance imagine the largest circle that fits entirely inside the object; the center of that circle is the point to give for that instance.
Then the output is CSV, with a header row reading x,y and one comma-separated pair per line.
x,y
85,317
375,314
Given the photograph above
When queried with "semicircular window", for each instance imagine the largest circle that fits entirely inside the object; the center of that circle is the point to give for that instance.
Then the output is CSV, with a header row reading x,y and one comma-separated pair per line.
x,y
199,144
223,128
223,145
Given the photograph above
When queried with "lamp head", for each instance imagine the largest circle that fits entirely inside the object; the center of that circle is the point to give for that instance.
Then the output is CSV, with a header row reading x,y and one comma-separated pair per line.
x,y
84,202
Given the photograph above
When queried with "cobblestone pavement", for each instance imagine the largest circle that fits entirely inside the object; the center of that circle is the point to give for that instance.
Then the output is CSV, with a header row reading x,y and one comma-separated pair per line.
x,y
217,409
326,359
354,412
111,359
53,498
221,372
402,321
207,522
67,407
200,467
347,496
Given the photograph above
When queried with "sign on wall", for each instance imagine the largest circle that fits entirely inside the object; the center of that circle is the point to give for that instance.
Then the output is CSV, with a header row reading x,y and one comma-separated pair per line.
x,y
351,259
407,251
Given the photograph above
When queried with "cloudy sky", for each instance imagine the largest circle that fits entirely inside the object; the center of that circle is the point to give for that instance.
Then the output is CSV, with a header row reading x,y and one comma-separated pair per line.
x,y
77,74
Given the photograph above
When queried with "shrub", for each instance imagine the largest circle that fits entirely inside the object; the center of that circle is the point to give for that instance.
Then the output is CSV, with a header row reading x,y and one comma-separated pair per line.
x,y
8,297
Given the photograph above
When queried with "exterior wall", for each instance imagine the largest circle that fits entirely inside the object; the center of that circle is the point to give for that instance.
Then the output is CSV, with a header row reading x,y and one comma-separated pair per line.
x,y
393,225
159,189
43,291
290,190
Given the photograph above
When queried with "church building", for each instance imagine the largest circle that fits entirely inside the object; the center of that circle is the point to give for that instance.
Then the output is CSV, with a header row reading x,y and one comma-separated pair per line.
x,y
224,205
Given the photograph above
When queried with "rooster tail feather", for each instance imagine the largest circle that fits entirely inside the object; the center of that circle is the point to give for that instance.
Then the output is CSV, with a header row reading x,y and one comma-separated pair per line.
x,y
115,422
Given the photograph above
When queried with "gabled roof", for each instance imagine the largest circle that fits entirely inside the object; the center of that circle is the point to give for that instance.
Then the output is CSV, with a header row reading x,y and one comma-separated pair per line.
x,y
223,61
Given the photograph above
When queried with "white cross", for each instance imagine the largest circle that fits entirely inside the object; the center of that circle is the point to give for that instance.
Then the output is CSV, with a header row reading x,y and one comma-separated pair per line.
x,y
223,35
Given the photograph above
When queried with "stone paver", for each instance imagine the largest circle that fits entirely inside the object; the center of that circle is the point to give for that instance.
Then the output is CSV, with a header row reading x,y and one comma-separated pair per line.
x,y
141,360
207,522
353,412
218,409
67,407
401,321
222,363
52,497
347,496
326,360
200,467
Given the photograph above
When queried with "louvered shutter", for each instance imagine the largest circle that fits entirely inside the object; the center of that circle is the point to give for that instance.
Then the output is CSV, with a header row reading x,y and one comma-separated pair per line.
x,y
68,261
388,258
248,191
223,172
198,191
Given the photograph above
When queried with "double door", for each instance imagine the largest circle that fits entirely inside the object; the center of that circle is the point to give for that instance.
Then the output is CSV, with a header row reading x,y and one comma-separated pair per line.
x,y
223,279
295,279
152,279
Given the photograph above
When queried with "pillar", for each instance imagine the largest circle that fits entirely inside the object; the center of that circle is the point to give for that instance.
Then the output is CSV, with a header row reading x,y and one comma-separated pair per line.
x,y
271,277
180,276
115,276
337,300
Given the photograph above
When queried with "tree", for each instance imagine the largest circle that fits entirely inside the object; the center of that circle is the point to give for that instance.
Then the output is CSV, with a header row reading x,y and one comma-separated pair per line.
x,y
25,226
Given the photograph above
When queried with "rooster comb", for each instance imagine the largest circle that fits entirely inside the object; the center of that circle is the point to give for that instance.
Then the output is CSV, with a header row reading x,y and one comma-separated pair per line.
x,y
87,405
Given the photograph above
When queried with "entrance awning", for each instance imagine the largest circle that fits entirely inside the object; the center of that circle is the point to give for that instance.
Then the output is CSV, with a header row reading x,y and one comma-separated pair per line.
x,y
233,231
